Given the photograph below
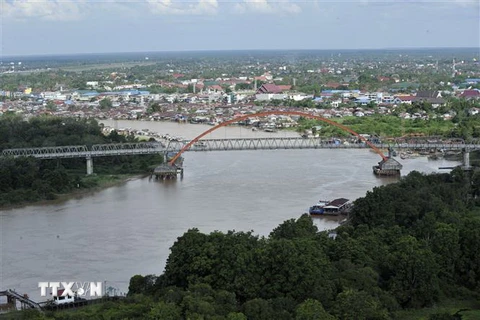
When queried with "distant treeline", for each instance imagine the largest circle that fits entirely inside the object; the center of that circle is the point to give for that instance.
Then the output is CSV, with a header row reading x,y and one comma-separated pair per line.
x,y
408,246
28,179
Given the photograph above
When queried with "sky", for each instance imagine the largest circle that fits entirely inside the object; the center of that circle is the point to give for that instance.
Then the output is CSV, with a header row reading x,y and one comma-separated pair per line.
x,y
34,27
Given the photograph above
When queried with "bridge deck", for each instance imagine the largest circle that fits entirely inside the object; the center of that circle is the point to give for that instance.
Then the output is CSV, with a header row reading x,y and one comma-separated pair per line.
x,y
126,149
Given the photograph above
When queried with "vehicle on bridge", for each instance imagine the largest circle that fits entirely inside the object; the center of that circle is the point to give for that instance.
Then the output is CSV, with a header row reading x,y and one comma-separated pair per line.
x,y
200,144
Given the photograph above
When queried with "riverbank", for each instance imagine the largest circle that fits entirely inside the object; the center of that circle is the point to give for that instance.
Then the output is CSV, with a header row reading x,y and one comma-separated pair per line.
x,y
92,184
99,183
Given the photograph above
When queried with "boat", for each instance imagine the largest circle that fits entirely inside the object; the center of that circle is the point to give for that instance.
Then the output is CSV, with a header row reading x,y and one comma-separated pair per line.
x,y
334,207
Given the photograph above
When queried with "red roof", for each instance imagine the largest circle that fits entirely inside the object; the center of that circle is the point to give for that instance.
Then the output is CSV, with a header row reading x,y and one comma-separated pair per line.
x,y
333,85
406,98
470,93
269,88
216,87
284,87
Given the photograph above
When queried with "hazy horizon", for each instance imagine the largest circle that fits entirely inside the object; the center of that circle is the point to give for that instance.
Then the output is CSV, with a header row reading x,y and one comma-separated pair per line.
x,y
186,51
60,27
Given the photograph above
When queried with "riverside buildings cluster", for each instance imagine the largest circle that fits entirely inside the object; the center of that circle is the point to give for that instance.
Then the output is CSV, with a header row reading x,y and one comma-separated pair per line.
x,y
213,104
177,96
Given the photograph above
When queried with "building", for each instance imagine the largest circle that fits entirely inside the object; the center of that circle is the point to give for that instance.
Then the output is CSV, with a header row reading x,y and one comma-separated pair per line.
x,y
433,97
470,94
388,167
273,88
271,91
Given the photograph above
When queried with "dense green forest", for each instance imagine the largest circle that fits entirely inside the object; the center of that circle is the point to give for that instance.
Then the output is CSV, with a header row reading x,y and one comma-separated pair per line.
x,y
411,250
28,179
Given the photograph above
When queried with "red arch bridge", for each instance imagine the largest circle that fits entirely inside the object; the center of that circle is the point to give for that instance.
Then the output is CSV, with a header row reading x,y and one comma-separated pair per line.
x,y
356,141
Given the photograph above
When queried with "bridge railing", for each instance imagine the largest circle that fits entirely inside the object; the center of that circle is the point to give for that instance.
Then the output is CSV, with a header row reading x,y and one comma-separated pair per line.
x,y
127,148
272,143
228,144
48,152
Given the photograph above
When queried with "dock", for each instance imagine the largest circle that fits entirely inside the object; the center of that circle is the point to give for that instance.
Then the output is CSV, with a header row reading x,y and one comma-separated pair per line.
x,y
167,172
388,166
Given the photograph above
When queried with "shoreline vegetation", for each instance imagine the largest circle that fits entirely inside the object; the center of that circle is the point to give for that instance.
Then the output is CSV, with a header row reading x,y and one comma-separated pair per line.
x,y
103,182
27,181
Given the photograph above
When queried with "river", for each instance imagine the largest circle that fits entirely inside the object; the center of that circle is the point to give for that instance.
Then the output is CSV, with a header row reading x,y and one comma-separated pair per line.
x,y
128,229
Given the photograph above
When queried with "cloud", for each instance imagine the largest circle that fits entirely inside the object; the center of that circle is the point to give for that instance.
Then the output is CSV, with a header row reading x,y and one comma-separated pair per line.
x,y
414,2
209,7
267,7
55,10
67,10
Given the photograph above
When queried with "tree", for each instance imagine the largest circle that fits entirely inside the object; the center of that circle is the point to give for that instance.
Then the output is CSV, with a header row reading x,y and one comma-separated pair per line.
x,y
468,266
412,275
154,107
312,310
291,229
352,304
105,104
51,106
142,284
297,269
165,311
258,309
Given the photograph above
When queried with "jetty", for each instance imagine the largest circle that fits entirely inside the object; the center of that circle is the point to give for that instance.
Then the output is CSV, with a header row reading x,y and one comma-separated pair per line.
x,y
388,166
168,171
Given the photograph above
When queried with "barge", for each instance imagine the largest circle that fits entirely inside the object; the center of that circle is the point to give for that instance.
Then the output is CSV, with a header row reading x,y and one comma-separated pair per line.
x,y
334,207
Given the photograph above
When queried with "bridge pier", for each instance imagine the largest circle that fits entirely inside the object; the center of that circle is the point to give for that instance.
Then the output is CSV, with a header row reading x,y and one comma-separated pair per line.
x,y
466,159
89,165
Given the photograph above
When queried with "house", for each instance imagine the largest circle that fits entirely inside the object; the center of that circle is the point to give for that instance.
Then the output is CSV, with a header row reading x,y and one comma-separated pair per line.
x,y
403,99
470,94
472,81
430,96
273,88
271,91
363,101
383,79
215,89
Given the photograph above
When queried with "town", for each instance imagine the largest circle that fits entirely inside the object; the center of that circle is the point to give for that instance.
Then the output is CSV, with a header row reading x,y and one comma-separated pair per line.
x,y
422,85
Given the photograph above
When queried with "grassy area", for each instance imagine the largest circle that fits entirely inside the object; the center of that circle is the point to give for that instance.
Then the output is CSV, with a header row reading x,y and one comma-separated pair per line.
x,y
105,180
98,182
383,126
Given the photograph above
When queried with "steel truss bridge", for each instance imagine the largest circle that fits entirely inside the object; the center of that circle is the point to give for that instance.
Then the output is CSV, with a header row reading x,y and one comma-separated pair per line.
x,y
125,149
98,150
